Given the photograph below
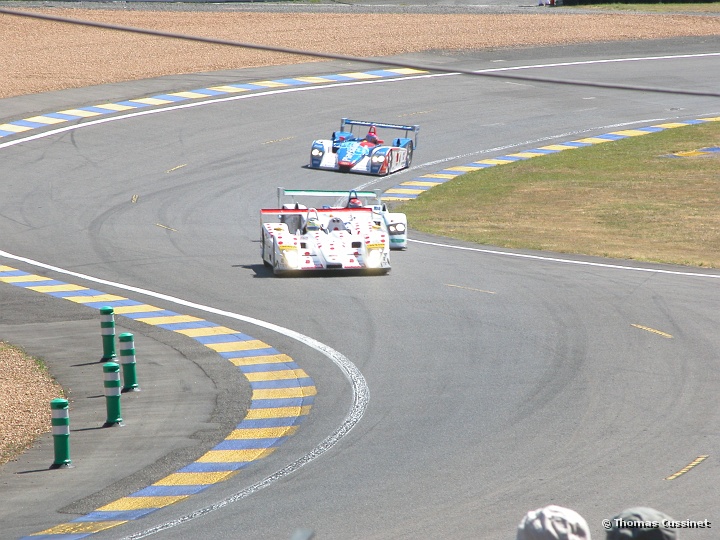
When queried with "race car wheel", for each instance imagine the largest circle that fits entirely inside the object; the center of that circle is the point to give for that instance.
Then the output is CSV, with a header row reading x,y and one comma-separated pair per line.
x,y
408,160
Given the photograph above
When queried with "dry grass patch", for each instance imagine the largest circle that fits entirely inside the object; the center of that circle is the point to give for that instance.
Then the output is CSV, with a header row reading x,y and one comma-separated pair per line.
x,y
26,389
622,199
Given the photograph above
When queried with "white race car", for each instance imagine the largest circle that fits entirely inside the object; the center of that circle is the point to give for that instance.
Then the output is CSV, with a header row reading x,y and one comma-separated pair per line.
x,y
395,222
296,240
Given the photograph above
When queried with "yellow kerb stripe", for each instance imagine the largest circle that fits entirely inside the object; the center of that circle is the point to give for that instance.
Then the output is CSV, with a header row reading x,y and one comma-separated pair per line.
x,y
115,107
194,479
169,320
235,456
270,84
24,279
96,298
58,288
79,527
228,89
46,120
631,132
81,114
207,331
238,345
137,503
359,75
277,412
13,128
284,393
269,359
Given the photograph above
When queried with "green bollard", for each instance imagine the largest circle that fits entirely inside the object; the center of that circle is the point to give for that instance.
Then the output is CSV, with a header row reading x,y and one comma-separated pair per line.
x,y
107,329
111,371
61,433
127,359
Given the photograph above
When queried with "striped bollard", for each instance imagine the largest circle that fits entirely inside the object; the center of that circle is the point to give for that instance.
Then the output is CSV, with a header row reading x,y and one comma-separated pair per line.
x,y
107,329
111,370
61,433
127,359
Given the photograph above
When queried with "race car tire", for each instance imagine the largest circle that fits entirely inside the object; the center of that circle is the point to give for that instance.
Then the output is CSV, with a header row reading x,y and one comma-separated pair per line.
x,y
408,160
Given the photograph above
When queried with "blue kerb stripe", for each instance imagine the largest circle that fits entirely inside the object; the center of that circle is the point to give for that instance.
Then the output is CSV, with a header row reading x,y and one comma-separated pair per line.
x,y
543,151
407,185
62,116
215,467
400,196
168,97
14,273
451,173
223,338
175,327
382,73
281,402
288,383
292,82
288,421
95,110
209,92
338,78
247,86
652,129
118,515
252,352
610,137
694,122
28,123
170,491
117,303
149,314
248,444
64,294
133,104
578,144
4,133
38,283
268,368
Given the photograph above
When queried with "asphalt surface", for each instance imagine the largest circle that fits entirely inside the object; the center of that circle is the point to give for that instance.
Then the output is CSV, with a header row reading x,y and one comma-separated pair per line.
x,y
455,442
188,400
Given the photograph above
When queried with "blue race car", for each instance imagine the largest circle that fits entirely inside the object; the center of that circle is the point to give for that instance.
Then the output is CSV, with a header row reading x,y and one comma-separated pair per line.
x,y
367,154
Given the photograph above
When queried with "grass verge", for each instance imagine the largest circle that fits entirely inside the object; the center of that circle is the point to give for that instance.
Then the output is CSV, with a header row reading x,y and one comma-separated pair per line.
x,y
622,199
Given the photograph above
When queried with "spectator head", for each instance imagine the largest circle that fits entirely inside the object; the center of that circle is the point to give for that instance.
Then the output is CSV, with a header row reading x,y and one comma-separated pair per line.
x,y
640,523
553,523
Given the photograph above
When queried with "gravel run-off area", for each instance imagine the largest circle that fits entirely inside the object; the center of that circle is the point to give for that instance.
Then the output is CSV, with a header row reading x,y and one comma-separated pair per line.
x,y
41,56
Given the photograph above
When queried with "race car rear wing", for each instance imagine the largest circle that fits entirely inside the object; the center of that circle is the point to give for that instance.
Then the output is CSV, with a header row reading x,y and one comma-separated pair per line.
x,y
293,194
407,129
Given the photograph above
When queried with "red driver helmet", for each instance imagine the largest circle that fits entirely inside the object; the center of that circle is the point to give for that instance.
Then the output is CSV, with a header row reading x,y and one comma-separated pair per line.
x,y
354,203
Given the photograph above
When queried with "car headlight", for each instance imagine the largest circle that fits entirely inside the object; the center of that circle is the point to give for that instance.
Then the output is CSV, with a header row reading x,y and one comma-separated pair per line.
x,y
396,228
316,152
291,258
378,159
374,258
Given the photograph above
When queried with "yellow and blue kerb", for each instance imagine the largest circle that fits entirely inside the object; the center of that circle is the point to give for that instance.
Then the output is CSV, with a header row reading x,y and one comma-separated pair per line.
x,y
282,395
172,98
